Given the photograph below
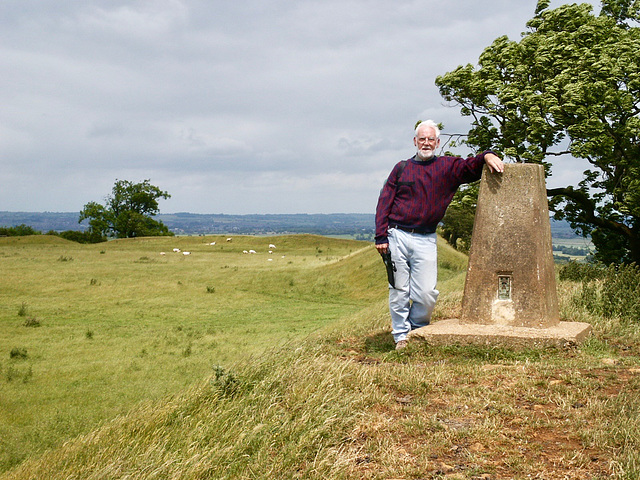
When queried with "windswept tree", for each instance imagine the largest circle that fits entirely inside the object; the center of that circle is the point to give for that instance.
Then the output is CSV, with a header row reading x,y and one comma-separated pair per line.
x,y
457,225
127,212
570,86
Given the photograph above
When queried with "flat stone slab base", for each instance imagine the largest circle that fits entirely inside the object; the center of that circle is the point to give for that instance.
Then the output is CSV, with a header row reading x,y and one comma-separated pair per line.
x,y
451,331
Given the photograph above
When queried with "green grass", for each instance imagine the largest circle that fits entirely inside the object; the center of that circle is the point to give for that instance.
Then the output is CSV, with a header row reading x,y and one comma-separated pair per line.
x,y
119,323
334,400
100,328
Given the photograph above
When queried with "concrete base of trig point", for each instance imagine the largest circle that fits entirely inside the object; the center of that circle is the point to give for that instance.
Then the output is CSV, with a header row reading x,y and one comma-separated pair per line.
x,y
510,295
452,332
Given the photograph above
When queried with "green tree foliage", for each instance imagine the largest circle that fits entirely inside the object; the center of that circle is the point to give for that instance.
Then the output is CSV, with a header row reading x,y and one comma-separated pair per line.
x,y
127,212
612,291
570,86
457,224
18,231
80,237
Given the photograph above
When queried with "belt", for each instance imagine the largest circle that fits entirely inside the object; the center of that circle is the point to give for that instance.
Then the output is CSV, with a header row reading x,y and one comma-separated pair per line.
x,y
421,231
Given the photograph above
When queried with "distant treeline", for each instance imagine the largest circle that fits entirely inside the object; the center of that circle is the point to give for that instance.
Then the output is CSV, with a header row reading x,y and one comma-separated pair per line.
x,y
43,221
18,231
268,224
23,230
569,250
214,224
360,226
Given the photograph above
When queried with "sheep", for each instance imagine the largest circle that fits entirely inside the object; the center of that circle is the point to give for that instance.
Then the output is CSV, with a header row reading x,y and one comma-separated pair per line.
x,y
177,250
245,251
186,253
212,243
271,245
162,253
252,251
229,239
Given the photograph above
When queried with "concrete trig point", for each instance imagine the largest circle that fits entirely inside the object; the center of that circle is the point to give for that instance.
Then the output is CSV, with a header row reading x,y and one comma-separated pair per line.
x,y
510,295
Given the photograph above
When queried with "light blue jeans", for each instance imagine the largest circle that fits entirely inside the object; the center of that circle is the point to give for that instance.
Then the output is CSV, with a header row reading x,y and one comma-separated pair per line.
x,y
414,297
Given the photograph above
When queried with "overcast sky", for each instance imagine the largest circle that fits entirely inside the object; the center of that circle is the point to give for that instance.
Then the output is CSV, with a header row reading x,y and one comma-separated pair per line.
x,y
278,106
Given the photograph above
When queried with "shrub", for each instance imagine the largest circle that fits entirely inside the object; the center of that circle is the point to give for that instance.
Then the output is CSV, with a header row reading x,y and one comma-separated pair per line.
x,y
581,272
621,292
18,231
226,383
18,353
31,322
83,237
14,373
23,310
615,294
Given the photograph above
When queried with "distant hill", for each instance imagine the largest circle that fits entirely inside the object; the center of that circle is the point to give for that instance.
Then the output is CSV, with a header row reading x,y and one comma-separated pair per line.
x,y
360,225
562,229
321,224
184,223
42,221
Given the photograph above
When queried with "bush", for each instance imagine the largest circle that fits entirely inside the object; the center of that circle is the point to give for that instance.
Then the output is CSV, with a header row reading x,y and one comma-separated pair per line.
x,y
18,231
82,237
23,310
611,292
15,373
18,353
621,292
581,272
31,322
225,382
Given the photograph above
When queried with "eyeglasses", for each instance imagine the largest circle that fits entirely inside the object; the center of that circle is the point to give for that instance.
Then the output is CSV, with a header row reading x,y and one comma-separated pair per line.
x,y
425,140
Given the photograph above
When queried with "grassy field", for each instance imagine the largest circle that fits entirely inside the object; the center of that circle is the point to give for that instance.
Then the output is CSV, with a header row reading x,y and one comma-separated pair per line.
x,y
226,365
573,243
90,331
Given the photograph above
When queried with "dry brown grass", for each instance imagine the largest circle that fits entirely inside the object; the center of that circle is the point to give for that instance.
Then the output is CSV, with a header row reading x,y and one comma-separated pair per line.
x,y
485,413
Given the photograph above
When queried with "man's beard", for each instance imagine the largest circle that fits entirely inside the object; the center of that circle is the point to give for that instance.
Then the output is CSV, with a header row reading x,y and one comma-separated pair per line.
x,y
425,154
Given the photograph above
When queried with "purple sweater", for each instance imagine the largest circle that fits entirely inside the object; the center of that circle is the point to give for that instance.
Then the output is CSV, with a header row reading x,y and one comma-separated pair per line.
x,y
423,192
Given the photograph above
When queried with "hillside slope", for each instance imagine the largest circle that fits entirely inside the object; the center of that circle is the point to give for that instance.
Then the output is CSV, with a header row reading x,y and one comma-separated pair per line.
x,y
344,404
90,331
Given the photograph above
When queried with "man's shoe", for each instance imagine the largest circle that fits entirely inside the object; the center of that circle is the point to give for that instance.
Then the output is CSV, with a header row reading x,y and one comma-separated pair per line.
x,y
401,344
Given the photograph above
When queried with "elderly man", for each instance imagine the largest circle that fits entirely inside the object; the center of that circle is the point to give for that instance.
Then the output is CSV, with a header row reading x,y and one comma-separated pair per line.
x,y
412,202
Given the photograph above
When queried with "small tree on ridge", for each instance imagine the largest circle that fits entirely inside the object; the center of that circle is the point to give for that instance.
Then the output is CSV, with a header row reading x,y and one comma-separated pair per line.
x,y
127,211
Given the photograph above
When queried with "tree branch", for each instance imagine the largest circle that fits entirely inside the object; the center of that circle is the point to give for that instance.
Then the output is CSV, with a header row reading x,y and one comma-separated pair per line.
x,y
588,207
557,154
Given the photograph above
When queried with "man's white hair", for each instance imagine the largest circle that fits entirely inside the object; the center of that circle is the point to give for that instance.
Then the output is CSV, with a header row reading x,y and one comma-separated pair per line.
x,y
428,123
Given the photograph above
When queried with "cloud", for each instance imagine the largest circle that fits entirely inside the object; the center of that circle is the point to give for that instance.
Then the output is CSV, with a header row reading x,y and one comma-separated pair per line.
x,y
252,107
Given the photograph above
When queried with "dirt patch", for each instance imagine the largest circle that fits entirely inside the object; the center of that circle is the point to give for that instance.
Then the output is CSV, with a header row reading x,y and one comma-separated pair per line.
x,y
486,421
